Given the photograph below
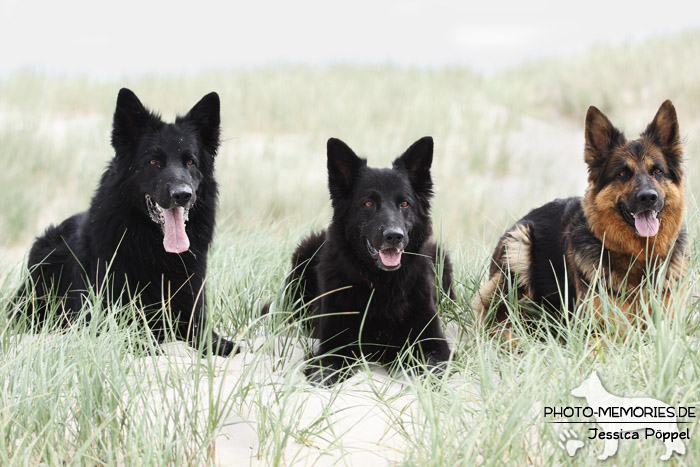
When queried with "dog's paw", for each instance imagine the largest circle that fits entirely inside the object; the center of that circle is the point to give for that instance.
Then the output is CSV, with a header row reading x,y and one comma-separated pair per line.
x,y
224,348
568,441
436,368
322,376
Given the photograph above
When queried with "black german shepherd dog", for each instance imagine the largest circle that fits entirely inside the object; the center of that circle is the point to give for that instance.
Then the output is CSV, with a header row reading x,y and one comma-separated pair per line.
x,y
370,278
148,228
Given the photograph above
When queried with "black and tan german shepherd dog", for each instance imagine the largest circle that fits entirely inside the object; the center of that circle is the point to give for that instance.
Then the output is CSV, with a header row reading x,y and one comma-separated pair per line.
x,y
623,235
369,281
147,232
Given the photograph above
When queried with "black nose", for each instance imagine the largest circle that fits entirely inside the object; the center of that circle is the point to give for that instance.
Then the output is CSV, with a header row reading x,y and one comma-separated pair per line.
x,y
393,236
647,198
181,194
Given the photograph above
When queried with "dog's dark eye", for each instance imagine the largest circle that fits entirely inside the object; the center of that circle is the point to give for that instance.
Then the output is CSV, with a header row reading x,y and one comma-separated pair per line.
x,y
369,204
624,173
190,162
404,204
657,171
153,162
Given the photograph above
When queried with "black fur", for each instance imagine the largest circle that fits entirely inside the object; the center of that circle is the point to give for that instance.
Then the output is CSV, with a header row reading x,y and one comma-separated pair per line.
x,y
116,248
366,306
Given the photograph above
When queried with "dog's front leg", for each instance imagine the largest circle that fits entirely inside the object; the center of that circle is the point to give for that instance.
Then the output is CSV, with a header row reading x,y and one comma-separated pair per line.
x,y
220,346
432,348
201,336
329,370
336,354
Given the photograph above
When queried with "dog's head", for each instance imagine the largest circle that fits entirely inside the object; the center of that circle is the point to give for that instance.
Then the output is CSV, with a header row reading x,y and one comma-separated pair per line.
x,y
635,187
166,162
384,212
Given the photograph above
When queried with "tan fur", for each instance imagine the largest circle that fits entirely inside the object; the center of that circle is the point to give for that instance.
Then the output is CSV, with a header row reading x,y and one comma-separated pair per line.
x,y
604,219
483,298
513,256
624,320
632,257
517,249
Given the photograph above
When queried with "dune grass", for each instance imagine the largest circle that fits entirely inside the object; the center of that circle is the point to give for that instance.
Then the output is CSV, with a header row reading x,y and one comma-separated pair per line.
x,y
102,394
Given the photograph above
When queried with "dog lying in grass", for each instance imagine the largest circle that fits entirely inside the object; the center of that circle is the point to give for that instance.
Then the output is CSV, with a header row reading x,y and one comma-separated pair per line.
x,y
623,237
147,232
369,280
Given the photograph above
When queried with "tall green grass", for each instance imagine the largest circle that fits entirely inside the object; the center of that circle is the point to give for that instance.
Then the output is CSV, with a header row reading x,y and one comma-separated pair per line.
x,y
101,394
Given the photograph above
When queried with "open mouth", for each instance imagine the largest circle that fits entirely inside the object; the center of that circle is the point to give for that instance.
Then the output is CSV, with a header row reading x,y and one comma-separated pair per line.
x,y
389,258
172,223
645,223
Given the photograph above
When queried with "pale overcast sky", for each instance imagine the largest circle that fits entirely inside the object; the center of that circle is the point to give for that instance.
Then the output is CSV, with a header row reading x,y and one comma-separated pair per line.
x,y
138,36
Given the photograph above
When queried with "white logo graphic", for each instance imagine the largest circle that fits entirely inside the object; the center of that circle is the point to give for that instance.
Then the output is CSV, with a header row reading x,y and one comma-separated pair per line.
x,y
623,417
570,442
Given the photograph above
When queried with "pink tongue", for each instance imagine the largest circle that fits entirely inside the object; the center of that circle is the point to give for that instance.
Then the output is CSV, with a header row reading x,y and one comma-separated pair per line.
x,y
390,257
175,239
646,223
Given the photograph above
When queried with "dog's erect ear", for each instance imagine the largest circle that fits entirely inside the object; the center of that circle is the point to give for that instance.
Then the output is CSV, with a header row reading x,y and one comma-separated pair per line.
x,y
601,137
663,130
417,161
206,118
130,117
343,166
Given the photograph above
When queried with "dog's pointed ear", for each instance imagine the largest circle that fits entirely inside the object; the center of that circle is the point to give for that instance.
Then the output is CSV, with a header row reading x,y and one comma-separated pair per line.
x,y
663,130
129,120
343,167
601,137
417,161
206,118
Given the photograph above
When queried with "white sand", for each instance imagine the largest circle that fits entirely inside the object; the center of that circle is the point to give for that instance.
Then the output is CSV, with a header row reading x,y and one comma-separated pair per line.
x,y
353,418
353,424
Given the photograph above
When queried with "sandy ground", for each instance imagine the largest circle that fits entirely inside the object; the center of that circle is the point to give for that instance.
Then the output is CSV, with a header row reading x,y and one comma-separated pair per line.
x,y
362,428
